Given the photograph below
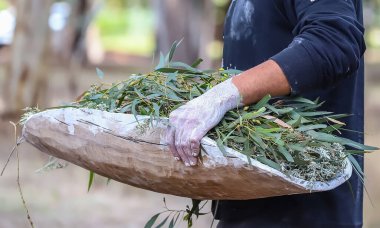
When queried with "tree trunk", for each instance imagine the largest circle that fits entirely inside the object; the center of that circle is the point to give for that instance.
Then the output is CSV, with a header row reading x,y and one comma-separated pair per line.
x,y
192,20
26,81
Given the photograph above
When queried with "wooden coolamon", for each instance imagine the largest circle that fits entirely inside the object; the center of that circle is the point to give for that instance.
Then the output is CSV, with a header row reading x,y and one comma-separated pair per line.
x,y
26,78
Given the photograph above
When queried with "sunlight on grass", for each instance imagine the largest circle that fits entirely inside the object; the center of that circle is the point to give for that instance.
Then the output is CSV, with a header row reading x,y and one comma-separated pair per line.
x,y
3,5
129,30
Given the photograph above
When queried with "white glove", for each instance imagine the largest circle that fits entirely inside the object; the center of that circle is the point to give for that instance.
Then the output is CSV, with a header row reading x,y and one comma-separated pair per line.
x,y
190,123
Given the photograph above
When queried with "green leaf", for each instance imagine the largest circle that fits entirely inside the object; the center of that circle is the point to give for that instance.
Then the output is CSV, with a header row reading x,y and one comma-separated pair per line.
x,y
151,221
231,71
161,64
323,136
332,128
174,88
174,220
96,96
319,113
172,70
356,164
183,65
156,109
195,206
258,141
163,222
238,139
172,223
361,152
196,62
174,46
262,102
90,180
296,123
296,147
172,76
134,112
334,139
311,127
100,73
302,100
125,108
138,92
221,147
357,145
338,116
285,153
272,108
173,96
284,110
252,115
269,163
152,96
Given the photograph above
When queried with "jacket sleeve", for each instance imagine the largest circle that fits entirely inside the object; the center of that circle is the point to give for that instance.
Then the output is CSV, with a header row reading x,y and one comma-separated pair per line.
x,y
327,46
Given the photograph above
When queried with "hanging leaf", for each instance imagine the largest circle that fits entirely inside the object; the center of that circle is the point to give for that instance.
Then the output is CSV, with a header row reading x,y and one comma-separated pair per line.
x,y
163,222
356,164
90,180
174,220
100,73
151,221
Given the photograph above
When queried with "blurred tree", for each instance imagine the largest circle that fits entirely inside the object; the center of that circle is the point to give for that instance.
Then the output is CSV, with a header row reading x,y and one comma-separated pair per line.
x,y
82,14
26,80
193,20
32,54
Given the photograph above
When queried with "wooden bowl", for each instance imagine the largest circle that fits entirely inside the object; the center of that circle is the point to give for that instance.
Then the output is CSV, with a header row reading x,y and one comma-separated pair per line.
x,y
115,146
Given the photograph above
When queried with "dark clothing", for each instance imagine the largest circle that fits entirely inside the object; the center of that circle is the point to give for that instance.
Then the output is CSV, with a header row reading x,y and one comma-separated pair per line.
x,y
319,46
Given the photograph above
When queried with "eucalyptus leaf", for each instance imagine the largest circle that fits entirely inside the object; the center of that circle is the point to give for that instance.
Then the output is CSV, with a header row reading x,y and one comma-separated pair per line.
x,y
269,163
152,220
90,180
100,73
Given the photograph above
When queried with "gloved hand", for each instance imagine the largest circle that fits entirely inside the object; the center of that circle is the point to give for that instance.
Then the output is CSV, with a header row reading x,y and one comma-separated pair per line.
x,y
190,122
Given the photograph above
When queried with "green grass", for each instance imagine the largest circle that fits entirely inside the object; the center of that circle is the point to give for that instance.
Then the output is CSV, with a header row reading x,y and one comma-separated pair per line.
x,y
129,30
3,5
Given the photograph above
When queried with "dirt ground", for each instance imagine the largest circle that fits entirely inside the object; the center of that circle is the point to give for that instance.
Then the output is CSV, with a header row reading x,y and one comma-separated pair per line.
x,y
59,198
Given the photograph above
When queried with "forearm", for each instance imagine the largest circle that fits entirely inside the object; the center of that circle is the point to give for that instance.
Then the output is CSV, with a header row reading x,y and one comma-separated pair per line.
x,y
266,78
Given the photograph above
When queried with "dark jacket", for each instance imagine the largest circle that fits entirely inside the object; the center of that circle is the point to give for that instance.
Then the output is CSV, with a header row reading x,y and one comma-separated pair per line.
x,y
319,46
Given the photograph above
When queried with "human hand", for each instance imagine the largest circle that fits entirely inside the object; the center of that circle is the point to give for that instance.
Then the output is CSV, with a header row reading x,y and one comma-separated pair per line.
x,y
189,123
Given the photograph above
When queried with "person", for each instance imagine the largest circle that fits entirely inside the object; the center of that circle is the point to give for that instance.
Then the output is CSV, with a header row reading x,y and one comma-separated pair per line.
x,y
311,48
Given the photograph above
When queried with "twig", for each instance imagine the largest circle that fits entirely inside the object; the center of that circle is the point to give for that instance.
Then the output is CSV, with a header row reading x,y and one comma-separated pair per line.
x,y
18,175
215,211
9,158
18,142
20,191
